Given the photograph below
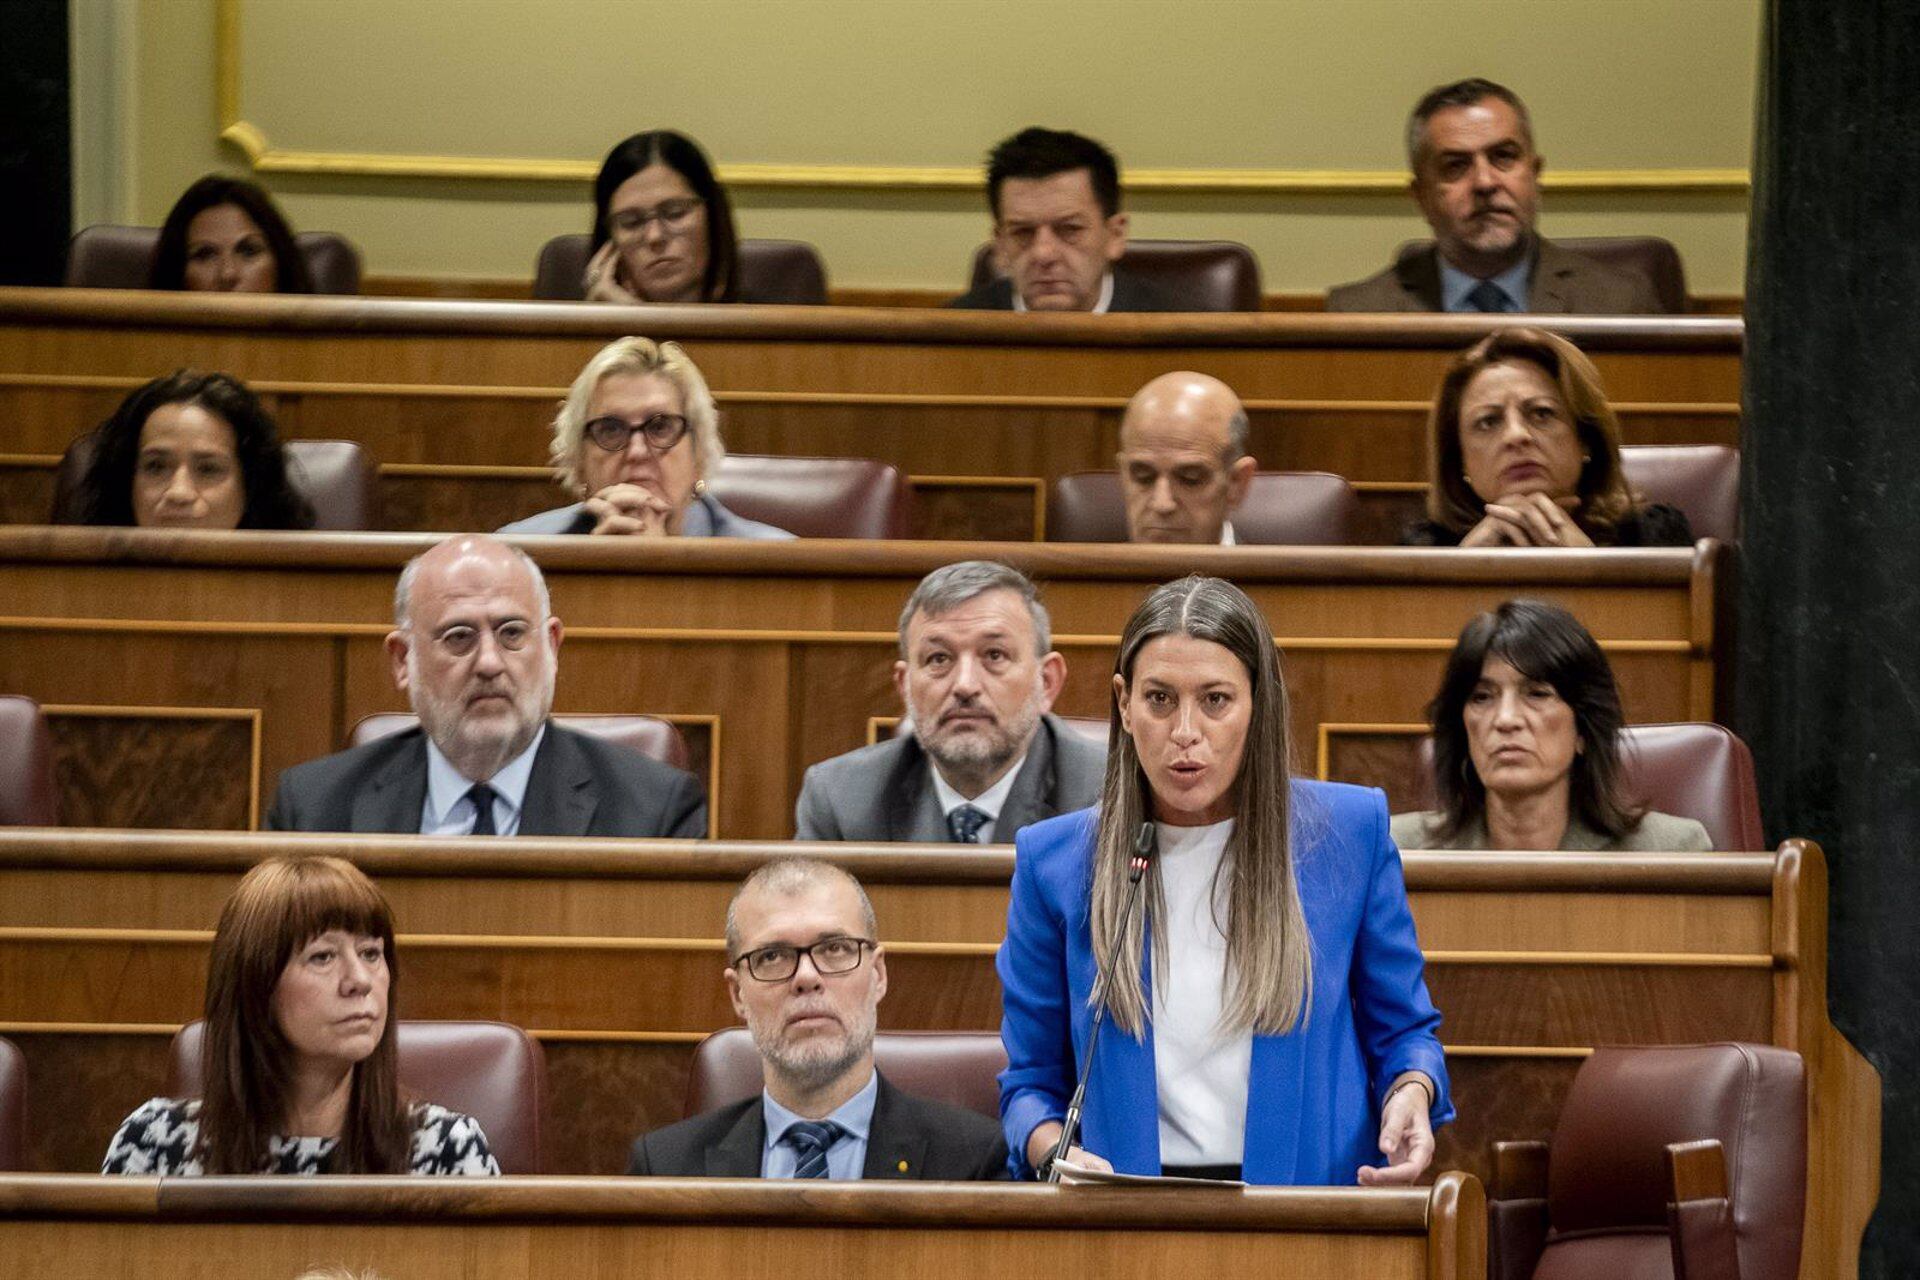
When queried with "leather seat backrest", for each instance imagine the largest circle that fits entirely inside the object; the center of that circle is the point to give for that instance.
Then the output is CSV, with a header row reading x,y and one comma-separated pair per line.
x,y
492,1071
110,257
1691,770
788,272
13,1109
1647,256
1607,1180
957,1067
1703,480
335,476
1281,509
654,738
1200,275
27,796
815,497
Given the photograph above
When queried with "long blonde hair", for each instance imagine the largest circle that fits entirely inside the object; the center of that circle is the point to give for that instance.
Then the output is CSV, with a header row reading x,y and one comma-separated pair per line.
x,y
1269,951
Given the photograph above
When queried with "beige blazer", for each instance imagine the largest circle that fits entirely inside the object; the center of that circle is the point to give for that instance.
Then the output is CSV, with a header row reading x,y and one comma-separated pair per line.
x,y
1657,833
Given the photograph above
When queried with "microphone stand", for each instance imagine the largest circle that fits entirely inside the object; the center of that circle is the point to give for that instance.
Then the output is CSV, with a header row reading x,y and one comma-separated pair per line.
x,y
1144,847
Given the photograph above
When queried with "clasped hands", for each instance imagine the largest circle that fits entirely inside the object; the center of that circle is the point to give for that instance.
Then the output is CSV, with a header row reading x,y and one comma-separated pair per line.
x,y
1528,520
631,510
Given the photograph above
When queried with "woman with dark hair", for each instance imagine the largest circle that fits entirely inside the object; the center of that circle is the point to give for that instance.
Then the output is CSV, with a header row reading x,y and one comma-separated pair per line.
x,y
226,235
1270,1018
1523,450
191,451
662,225
299,1068
1526,745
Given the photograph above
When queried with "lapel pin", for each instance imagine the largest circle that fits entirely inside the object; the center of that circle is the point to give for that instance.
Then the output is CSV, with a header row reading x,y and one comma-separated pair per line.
x,y
902,1166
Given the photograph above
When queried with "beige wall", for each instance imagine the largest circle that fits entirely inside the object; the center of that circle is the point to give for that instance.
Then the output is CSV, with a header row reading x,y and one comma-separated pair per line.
x,y
1266,85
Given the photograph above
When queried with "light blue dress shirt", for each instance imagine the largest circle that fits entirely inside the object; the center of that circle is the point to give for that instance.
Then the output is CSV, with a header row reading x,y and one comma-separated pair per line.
x,y
846,1159
447,810
1456,284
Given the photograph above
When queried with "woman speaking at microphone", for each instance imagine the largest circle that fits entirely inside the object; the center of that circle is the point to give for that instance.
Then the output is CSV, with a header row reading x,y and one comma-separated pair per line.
x,y
1269,1015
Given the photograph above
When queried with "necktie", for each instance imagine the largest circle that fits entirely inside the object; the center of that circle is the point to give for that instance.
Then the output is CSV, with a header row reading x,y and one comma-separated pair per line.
x,y
811,1139
964,824
482,796
1488,296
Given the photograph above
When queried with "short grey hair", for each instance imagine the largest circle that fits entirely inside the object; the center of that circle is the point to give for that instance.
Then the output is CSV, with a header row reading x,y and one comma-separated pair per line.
x,y
1238,430
403,590
790,876
1461,93
950,586
637,356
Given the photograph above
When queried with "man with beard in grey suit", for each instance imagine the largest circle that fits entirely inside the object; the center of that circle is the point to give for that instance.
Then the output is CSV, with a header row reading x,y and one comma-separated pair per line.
x,y
984,758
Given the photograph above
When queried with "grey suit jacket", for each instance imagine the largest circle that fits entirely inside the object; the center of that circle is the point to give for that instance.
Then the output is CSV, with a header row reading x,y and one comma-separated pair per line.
x,y
885,791
580,786
910,1138
1657,833
1564,283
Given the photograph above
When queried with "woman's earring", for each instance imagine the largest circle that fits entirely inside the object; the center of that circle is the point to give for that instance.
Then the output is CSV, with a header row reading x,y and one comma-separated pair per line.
x,y
699,488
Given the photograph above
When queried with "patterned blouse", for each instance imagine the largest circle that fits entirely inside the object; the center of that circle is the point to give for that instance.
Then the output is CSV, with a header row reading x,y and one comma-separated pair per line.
x,y
160,1138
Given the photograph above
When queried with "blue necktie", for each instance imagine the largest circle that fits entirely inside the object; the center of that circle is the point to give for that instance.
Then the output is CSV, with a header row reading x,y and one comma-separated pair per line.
x,y
964,824
482,796
1488,296
811,1139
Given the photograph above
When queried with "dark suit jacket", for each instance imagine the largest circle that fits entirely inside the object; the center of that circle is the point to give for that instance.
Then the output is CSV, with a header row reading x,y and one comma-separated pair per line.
x,y
1129,294
1564,283
885,791
910,1138
580,786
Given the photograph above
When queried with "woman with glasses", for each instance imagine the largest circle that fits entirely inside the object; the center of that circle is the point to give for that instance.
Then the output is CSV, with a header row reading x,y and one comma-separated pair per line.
x,y
636,440
662,225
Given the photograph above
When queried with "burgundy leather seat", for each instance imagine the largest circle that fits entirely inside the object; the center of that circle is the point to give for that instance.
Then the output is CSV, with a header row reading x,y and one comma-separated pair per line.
x,y
1691,770
656,739
1650,256
13,1109
334,475
1200,275
110,257
1282,509
815,497
27,797
1596,1203
1703,480
957,1067
492,1071
771,271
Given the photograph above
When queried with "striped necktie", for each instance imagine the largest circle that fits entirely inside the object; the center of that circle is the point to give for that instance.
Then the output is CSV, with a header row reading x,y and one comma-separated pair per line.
x,y
811,1140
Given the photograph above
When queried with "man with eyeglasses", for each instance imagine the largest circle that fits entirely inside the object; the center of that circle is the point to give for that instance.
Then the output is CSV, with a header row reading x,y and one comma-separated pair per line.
x,y
1183,460
475,647
806,973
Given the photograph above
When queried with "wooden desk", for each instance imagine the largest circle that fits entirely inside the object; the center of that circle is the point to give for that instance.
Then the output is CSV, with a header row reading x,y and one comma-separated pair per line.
x,y
183,671
982,409
472,1229
609,953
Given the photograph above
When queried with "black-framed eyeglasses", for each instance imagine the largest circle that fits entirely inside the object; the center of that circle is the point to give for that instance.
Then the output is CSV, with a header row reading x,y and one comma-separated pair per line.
x,y
662,432
829,955
674,217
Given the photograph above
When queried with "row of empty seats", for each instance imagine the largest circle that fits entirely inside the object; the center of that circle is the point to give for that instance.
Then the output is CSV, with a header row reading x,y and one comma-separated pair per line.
x,y
1200,275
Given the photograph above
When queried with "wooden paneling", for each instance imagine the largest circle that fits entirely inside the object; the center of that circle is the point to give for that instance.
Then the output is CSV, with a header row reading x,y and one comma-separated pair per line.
x,y
609,952
789,647
193,769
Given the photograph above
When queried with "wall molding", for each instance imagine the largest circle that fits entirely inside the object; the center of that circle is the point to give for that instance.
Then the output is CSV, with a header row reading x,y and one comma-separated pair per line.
x,y
263,157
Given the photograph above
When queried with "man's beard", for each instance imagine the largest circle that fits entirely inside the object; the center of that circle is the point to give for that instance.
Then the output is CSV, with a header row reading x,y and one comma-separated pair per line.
x,y
819,1061
480,749
987,749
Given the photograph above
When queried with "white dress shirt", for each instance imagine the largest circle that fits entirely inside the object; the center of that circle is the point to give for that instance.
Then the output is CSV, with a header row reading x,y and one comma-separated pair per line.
x,y
449,812
1100,308
990,802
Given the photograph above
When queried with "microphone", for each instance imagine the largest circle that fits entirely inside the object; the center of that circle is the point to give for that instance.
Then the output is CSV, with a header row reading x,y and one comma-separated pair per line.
x,y
1145,845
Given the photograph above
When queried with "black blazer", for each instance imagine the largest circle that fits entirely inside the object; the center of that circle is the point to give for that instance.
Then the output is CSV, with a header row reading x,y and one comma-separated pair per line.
x,y
580,786
1129,294
911,1138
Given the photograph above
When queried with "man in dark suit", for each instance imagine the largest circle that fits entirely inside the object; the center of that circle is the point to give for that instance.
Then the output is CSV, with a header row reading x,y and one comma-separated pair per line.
x,y
983,758
806,972
476,649
1476,178
1058,230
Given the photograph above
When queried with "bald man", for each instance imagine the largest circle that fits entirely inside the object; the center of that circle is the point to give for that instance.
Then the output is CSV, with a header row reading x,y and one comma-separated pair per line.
x,y
1183,460
475,647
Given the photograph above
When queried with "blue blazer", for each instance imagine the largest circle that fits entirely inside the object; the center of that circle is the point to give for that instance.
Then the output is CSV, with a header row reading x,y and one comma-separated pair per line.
x,y
1313,1101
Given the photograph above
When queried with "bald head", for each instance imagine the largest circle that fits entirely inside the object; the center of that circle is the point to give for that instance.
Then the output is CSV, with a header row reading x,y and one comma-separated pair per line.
x,y
1183,459
481,553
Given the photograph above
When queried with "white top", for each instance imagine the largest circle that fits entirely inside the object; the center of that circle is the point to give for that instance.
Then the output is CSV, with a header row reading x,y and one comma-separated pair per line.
x,y
448,811
1201,1074
990,802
